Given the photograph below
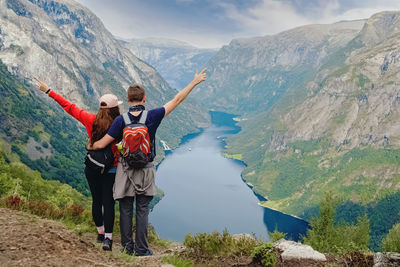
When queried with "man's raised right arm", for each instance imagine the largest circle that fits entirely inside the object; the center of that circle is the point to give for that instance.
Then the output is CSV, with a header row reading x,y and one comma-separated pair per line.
x,y
179,97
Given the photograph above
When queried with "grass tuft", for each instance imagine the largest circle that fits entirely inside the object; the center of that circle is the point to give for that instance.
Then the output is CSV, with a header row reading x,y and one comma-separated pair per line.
x,y
178,262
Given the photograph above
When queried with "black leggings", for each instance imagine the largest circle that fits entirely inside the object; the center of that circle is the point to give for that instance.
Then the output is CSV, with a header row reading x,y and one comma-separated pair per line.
x,y
101,187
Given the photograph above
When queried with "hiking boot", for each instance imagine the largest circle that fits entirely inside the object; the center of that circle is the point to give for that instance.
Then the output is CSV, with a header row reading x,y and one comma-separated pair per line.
x,y
100,238
107,244
127,249
149,252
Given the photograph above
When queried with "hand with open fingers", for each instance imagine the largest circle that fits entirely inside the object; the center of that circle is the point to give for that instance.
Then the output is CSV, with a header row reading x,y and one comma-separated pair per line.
x,y
200,77
42,85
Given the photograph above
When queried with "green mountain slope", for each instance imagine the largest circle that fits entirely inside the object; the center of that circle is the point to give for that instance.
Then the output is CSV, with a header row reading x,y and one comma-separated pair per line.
x,y
338,132
45,137
18,180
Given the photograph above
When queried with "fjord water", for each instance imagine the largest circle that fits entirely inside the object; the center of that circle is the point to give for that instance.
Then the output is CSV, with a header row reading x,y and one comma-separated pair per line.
x,y
204,191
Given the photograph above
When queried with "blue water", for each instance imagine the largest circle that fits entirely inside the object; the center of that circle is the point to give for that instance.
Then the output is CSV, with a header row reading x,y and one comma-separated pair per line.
x,y
204,191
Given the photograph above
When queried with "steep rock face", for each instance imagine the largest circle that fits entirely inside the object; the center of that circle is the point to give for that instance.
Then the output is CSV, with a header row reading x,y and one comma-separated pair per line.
x,y
65,43
68,45
357,103
176,61
380,27
252,74
60,40
339,132
357,107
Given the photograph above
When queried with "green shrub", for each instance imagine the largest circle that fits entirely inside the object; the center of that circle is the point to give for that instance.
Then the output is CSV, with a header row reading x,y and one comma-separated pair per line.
x,y
327,237
383,215
210,246
13,202
43,209
74,216
276,235
391,243
264,254
24,189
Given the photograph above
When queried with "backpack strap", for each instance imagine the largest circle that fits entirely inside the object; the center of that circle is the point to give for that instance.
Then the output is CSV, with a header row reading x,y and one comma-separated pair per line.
x,y
143,117
142,120
126,118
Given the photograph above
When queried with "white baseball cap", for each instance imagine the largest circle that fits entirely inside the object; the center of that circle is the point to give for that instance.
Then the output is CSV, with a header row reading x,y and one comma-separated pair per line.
x,y
111,101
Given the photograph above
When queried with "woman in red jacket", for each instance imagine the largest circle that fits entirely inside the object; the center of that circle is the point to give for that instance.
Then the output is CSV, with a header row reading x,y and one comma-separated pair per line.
x,y
101,185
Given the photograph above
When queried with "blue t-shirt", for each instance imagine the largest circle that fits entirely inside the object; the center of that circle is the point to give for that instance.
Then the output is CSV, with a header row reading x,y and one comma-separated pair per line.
x,y
153,120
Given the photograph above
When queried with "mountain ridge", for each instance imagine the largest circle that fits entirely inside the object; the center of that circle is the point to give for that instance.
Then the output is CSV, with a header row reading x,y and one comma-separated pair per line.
x,y
175,60
66,44
258,71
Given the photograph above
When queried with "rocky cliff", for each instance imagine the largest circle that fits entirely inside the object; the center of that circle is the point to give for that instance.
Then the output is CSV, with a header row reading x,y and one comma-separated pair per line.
x,y
66,44
357,102
249,75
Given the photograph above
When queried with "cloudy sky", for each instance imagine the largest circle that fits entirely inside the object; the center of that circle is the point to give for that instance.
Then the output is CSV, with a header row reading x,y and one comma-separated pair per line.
x,y
213,23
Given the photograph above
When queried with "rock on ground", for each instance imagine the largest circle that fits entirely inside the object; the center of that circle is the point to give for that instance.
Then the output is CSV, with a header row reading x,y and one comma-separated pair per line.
x,y
386,259
296,251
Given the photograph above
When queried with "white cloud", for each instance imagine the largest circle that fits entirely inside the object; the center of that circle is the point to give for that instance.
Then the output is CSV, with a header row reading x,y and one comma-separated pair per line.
x,y
266,17
273,16
361,13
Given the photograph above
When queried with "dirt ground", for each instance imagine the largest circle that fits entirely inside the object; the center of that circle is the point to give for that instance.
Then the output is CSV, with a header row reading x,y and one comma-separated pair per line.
x,y
28,240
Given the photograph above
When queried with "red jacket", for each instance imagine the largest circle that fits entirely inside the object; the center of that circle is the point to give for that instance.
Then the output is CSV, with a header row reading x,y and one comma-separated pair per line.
x,y
83,116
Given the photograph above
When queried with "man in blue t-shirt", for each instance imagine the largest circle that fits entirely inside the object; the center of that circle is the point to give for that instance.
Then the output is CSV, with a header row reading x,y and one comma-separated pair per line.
x,y
131,183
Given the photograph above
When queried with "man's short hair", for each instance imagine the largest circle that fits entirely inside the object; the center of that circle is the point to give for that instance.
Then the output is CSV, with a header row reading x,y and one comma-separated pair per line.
x,y
135,93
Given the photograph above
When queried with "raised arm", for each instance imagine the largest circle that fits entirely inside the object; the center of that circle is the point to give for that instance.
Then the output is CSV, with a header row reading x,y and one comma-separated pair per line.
x,y
86,118
42,86
179,97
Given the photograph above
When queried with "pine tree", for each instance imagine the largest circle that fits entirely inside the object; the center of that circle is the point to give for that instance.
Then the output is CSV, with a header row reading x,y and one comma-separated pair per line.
x,y
391,243
325,236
